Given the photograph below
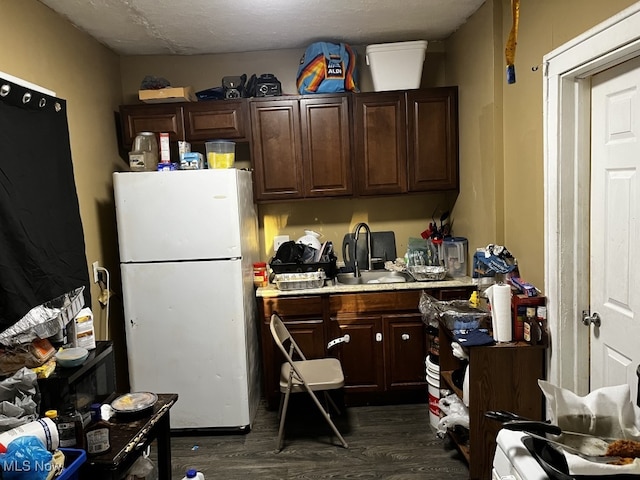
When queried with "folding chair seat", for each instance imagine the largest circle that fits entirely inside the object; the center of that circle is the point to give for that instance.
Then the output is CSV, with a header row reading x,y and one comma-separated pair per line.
x,y
298,374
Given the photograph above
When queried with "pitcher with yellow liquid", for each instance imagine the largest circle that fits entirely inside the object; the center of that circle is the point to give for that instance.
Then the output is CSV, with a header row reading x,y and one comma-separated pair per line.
x,y
220,153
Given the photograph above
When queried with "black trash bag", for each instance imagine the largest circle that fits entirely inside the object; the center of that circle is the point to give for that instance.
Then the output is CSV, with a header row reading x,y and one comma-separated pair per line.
x,y
290,252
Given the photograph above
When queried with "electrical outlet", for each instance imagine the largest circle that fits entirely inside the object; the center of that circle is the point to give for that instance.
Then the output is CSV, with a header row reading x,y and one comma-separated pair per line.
x,y
279,240
95,272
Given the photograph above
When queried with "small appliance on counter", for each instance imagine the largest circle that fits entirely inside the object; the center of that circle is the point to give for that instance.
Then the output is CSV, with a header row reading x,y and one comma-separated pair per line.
x,y
453,252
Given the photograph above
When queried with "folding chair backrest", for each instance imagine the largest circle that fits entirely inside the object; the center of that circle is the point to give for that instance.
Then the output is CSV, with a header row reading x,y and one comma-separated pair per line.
x,y
284,339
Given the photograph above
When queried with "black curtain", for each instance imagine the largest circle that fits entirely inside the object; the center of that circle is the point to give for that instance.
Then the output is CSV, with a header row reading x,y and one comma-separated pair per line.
x,y
42,250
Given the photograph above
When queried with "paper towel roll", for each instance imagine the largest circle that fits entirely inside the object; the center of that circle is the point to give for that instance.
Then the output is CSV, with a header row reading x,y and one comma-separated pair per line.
x,y
500,298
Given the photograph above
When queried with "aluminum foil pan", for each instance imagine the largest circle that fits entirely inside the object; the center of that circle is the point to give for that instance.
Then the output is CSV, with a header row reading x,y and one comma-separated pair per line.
x,y
45,320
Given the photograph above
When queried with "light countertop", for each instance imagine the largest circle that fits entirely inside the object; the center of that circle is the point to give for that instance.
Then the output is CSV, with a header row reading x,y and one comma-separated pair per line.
x,y
332,287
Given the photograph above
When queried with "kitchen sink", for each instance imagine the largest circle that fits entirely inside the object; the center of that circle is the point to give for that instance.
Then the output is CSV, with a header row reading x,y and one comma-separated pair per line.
x,y
374,276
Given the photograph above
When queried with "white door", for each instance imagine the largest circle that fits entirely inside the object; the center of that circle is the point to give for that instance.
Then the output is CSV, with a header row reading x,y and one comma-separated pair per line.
x,y
615,226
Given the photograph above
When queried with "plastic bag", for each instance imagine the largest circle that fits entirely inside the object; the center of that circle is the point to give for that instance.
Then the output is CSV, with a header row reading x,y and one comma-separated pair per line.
x,y
26,459
456,314
19,399
143,468
456,414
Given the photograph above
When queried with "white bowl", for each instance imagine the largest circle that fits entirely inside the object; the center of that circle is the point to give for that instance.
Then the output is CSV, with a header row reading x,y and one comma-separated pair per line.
x,y
311,239
72,357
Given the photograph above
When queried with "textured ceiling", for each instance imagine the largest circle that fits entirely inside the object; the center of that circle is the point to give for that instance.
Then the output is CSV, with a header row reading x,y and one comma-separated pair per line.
x,y
191,27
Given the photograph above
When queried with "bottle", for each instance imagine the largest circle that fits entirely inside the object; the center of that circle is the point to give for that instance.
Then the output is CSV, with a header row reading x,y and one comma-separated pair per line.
x,y
193,474
532,332
474,300
260,274
70,428
52,414
97,435
541,317
434,344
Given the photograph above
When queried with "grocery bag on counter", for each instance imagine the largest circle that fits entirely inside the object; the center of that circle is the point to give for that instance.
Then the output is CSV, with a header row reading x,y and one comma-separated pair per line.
x,y
605,412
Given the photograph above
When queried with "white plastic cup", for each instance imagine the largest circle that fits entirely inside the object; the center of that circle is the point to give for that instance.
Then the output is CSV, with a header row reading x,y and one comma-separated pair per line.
x,y
220,153
43,428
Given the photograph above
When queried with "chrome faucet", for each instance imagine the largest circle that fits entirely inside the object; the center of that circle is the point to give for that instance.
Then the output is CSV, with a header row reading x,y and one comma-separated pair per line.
x,y
356,235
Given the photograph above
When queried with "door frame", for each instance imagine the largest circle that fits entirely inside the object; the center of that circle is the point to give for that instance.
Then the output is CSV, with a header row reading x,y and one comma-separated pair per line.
x,y
567,161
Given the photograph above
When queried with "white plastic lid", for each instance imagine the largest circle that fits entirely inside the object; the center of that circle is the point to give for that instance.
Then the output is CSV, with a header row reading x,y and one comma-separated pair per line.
x,y
379,47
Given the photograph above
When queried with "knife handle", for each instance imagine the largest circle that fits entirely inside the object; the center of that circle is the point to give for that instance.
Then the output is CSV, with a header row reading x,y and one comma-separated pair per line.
x,y
532,426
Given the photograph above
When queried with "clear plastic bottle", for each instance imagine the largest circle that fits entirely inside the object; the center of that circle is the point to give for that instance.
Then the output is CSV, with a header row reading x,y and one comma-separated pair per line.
x,y
193,474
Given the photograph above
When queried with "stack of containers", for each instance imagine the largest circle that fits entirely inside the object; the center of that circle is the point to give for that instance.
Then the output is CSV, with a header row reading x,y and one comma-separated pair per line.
x,y
433,381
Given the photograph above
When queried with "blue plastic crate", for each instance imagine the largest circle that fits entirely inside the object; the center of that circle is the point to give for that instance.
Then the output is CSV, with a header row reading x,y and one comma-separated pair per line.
x,y
73,460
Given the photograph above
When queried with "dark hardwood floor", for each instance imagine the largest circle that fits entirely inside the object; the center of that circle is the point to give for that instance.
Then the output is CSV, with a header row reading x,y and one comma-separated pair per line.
x,y
385,442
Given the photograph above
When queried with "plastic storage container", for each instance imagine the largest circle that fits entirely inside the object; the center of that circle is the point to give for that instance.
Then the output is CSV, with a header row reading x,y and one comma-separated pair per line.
x,y
73,460
454,255
220,153
396,66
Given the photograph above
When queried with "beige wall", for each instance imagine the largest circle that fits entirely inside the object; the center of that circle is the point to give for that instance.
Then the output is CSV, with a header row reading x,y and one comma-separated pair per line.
x,y
501,125
42,48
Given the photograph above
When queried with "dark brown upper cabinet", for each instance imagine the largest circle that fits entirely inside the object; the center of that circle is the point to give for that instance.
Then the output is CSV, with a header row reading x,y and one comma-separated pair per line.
x,y
165,117
406,141
215,119
301,147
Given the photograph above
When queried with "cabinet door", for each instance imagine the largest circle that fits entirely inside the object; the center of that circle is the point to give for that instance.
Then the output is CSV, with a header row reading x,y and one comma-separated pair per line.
x,y
276,149
405,352
326,146
433,139
217,119
151,118
380,143
361,357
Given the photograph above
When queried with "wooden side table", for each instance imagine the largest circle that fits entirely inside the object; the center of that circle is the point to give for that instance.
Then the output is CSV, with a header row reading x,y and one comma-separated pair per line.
x,y
129,437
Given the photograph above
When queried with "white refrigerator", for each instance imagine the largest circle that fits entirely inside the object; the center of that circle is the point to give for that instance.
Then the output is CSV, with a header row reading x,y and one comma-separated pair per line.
x,y
187,241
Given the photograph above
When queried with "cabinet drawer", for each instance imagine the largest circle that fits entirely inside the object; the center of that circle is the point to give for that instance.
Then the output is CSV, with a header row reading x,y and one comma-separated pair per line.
x,y
375,302
217,119
298,307
151,118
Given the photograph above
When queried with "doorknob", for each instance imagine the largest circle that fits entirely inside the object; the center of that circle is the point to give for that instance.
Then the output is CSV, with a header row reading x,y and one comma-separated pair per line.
x,y
591,319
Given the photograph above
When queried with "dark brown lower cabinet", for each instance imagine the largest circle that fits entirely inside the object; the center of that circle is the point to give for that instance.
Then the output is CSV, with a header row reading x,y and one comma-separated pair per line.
x,y
501,377
384,359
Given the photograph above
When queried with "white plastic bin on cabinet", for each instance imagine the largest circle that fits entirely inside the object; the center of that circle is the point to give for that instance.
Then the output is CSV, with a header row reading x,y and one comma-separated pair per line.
x,y
396,66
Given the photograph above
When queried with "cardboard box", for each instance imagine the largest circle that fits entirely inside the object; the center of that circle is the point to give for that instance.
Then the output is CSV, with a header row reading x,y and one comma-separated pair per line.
x,y
80,330
168,95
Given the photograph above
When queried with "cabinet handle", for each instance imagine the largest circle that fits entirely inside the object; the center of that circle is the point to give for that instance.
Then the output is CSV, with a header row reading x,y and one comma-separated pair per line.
x,y
344,339
405,336
378,337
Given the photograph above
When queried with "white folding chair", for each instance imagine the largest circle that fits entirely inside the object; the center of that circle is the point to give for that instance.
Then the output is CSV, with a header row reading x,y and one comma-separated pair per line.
x,y
300,375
